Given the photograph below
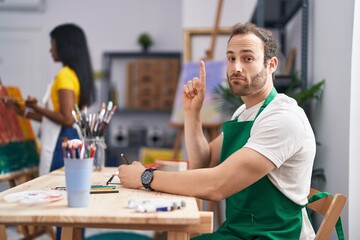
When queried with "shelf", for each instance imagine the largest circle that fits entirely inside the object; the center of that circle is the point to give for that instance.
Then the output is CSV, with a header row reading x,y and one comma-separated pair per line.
x,y
134,77
277,13
145,82
119,54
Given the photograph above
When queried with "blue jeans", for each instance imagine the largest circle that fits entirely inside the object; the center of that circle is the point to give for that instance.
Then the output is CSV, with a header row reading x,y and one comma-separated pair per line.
x,y
58,158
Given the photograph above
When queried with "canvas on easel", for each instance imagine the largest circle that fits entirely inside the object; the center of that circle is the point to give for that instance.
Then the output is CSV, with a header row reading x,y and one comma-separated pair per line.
x,y
18,148
25,124
9,126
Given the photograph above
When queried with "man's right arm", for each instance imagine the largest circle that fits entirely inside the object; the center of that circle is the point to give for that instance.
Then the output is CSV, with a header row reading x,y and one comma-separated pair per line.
x,y
200,153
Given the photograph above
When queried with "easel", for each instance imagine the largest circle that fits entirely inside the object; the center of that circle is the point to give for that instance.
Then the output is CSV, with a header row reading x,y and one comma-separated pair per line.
x,y
212,129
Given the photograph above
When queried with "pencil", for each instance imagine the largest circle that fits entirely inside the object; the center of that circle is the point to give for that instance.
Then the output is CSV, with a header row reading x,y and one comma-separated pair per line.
x,y
104,191
124,158
110,179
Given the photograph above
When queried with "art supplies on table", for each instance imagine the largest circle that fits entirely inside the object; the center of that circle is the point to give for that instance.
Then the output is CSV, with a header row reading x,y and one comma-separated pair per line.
x,y
34,197
110,181
117,172
155,204
103,189
95,189
93,125
78,177
79,149
114,179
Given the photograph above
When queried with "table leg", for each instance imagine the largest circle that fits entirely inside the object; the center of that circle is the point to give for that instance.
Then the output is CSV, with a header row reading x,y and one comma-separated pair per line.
x,y
3,235
178,236
71,233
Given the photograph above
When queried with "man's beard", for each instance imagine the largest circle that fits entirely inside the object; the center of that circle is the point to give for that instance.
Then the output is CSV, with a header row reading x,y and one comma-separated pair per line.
x,y
255,84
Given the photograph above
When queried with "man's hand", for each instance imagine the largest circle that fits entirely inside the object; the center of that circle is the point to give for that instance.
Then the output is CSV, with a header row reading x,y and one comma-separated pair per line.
x,y
194,91
130,175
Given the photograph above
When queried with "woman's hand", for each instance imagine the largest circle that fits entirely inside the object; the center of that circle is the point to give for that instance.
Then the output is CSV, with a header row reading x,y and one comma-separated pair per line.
x,y
31,102
130,175
14,104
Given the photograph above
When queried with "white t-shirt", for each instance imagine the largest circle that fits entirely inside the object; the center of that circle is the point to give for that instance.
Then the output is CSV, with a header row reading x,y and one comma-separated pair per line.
x,y
283,134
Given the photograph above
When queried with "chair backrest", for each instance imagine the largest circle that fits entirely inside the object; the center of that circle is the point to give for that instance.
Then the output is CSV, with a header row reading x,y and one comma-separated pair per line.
x,y
330,207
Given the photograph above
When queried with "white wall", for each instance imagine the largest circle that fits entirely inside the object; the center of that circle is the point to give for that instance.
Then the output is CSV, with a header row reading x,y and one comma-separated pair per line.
x,y
113,25
332,40
354,130
110,25
202,13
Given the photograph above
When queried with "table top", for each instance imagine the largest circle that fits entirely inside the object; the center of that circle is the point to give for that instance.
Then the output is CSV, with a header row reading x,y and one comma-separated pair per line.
x,y
104,210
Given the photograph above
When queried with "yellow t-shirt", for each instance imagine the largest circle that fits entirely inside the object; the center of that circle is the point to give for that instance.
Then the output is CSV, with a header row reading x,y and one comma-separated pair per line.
x,y
65,79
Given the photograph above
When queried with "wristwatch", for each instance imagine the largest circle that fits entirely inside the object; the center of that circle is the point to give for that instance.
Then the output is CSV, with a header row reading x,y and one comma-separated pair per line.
x,y
147,177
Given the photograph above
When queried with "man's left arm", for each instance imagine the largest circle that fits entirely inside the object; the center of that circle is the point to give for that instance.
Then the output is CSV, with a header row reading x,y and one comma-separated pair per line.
x,y
239,171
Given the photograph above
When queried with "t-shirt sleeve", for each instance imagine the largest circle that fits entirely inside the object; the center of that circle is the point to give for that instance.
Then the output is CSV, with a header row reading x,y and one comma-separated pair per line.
x,y
277,135
62,81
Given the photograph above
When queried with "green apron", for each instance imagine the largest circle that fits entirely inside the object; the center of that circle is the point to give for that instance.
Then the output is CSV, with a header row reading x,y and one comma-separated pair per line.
x,y
259,211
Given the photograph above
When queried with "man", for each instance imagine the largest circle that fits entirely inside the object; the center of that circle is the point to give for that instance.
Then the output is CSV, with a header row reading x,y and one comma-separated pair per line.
x,y
261,163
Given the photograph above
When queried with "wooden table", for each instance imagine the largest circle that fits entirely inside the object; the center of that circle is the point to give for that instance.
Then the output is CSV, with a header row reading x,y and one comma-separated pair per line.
x,y
107,210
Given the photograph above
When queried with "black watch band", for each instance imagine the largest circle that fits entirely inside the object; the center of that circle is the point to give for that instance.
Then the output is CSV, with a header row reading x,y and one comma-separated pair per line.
x,y
147,177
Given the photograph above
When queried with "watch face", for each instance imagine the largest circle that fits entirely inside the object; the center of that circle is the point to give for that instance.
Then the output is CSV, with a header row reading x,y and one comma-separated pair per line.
x,y
146,177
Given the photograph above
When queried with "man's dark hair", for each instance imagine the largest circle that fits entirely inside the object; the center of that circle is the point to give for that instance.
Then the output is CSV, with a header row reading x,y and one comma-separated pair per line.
x,y
72,50
270,46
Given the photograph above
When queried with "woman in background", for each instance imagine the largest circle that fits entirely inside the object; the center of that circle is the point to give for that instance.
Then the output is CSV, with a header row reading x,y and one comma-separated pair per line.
x,y
73,84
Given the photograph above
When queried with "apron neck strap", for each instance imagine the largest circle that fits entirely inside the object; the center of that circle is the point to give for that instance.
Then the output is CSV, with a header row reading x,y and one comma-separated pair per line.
x,y
269,98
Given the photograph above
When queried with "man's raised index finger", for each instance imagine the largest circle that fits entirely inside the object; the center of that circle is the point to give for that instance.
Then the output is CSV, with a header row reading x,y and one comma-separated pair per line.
x,y
202,72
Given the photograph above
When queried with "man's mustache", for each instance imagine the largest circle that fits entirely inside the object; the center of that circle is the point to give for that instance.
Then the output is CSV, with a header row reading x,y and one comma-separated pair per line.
x,y
237,75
